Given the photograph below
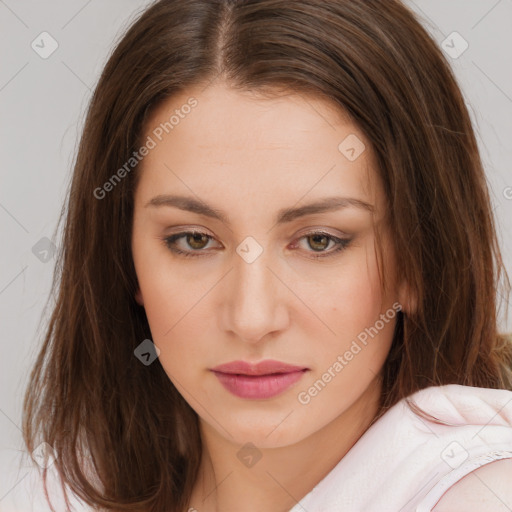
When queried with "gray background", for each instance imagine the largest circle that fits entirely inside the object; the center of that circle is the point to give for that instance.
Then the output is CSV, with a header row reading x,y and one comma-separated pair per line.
x,y
42,104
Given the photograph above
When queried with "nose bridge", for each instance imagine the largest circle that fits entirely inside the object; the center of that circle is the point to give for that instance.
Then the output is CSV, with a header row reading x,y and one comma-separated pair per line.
x,y
253,301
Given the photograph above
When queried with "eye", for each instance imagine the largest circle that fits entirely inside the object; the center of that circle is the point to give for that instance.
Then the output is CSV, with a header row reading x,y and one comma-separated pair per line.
x,y
319,241
198,241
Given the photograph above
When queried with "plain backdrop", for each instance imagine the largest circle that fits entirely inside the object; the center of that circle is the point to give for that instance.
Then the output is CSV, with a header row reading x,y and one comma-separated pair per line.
x,y
42,104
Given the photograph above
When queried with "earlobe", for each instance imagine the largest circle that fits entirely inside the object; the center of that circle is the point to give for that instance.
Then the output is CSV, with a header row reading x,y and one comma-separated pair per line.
x,y
407,298
138,298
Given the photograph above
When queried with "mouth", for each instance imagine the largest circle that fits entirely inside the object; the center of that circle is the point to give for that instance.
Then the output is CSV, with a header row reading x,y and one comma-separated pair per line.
x,y
263,368
259,386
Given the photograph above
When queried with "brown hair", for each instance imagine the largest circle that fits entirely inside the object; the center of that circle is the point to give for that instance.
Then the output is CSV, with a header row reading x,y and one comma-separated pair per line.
x,y
124,436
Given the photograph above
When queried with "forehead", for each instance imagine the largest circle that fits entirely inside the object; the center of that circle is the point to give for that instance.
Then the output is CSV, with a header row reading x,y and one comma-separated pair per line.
x,y
290,146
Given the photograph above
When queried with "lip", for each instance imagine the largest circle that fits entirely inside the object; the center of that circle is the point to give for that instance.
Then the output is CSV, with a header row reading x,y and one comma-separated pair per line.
x,y
266,367
262,380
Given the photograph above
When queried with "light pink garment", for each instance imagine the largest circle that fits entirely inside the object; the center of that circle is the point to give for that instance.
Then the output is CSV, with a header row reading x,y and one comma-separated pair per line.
x,y
404,463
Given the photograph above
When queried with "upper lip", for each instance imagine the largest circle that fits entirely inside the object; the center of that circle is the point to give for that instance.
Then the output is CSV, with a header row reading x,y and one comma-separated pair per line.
x,y
266,367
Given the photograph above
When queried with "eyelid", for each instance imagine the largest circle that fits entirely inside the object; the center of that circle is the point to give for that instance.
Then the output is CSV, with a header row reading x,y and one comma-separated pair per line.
x,y
307,231
340,243
321,229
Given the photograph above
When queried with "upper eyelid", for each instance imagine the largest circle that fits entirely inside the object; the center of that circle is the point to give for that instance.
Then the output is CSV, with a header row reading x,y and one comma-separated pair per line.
x,y
301,233
321,231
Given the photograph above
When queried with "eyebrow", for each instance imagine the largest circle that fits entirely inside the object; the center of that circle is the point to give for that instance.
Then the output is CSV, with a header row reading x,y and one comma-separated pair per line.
x,y
283,216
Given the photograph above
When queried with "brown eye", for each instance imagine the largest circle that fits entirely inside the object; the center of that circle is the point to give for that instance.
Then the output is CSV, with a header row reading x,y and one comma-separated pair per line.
x,y
197,240
318,242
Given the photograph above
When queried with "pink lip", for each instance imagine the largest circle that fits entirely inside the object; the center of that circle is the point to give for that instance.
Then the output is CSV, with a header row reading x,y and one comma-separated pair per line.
x,y
262,380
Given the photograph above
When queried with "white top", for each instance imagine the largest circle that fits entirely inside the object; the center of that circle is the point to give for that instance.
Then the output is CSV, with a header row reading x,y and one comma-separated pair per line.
x,y
404,463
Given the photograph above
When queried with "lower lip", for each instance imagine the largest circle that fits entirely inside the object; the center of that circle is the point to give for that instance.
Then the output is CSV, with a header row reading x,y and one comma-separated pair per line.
x,y
258,387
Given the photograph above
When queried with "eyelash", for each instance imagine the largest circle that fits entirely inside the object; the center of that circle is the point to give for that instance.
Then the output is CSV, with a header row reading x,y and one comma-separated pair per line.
x,y
170,242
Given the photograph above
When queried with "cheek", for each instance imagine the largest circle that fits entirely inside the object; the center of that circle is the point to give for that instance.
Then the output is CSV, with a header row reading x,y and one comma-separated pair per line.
x,y
358,340
351,299
347,362
173,303
166,289
177,331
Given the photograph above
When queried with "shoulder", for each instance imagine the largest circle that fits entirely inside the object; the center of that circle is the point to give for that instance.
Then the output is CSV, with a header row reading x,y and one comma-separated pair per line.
x,y
487,489
458,405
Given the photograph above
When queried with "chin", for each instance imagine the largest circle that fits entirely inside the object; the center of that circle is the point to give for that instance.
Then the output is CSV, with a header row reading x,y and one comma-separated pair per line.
x,y
277,432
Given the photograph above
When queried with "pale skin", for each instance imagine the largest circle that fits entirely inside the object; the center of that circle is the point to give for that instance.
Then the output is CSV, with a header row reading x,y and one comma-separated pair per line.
x,y
251,157
487,489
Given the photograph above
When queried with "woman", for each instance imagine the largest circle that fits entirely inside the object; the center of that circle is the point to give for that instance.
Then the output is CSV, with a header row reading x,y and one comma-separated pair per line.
x,y
279,273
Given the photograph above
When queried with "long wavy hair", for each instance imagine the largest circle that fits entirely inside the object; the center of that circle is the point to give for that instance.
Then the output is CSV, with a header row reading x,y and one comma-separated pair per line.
x,y
124,437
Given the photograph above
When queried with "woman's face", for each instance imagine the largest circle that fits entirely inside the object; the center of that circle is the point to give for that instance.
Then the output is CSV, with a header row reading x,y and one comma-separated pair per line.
x,y
265,276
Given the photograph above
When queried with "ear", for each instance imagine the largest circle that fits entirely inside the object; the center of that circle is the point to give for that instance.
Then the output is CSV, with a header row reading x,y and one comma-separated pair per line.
x,y
407,298
138,297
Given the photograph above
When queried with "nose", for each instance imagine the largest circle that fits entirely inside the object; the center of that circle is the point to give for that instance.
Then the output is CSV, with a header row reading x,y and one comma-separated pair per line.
x,y
255,299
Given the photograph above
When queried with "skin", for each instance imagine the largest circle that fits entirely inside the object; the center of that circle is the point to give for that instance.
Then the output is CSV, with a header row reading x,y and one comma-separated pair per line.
x,y
487,489
252,156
